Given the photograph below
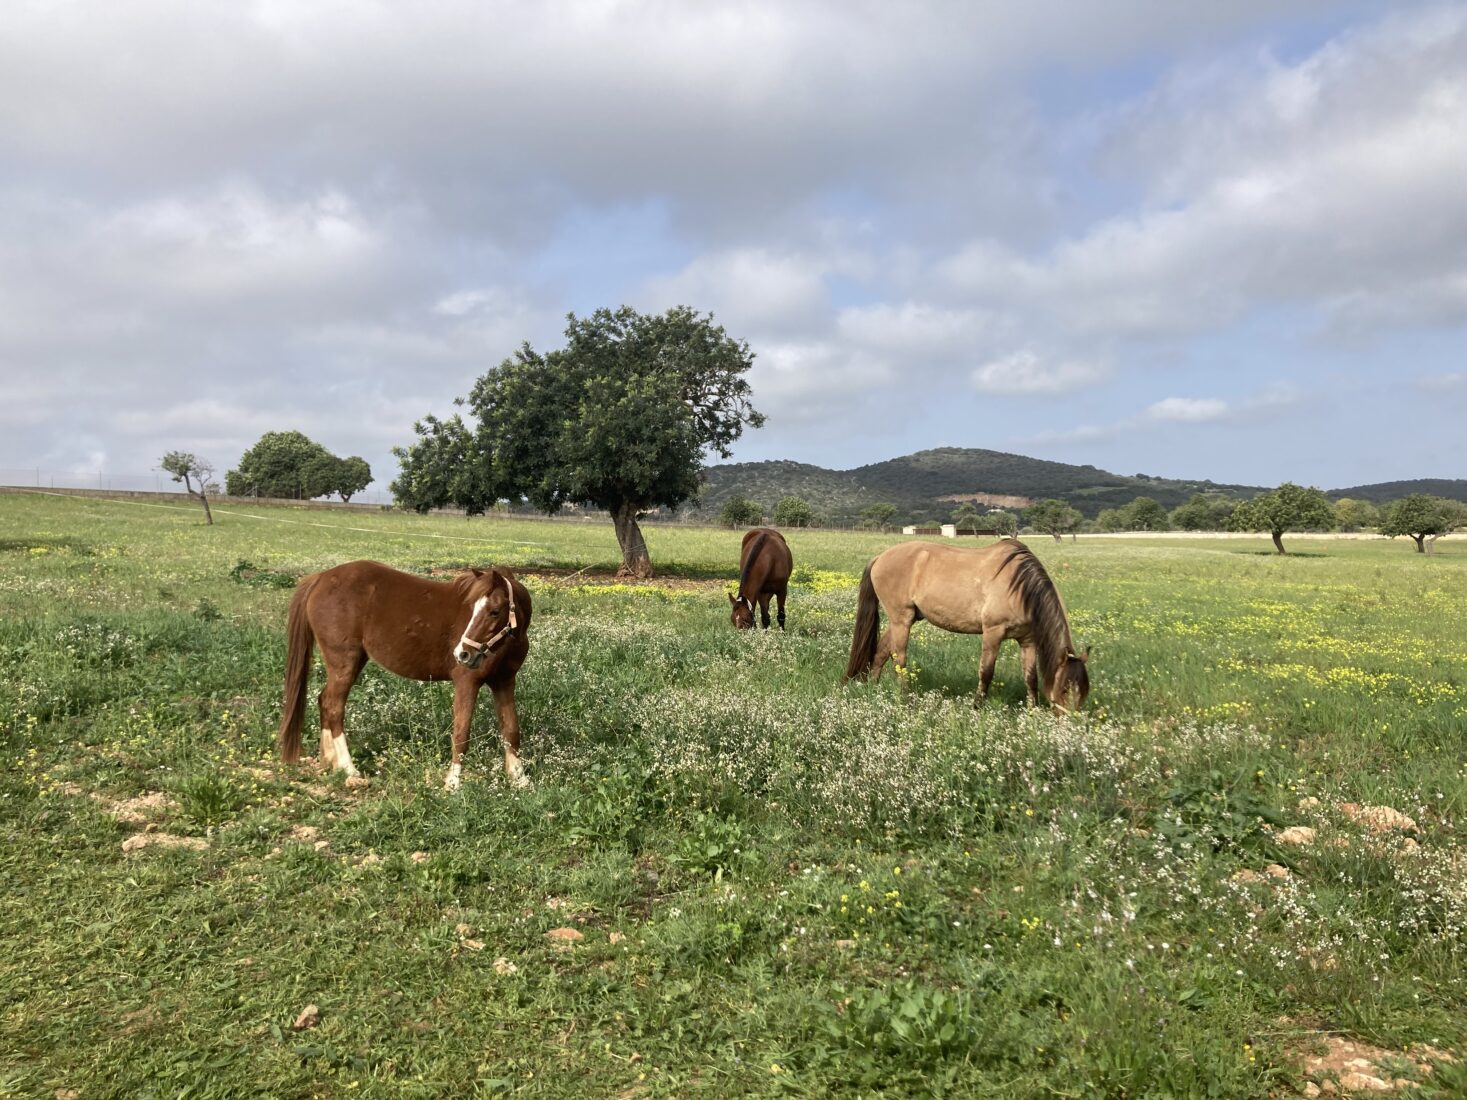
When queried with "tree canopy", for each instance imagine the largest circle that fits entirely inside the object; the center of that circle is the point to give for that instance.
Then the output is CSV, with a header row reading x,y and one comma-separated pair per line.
x,y
740,511
792,511
291,465
1290,507
877,515
1423,517
1203,512
619,418
1053,517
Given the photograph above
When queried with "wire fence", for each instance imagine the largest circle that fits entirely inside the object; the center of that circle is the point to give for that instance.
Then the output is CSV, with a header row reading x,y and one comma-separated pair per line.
x,y
154,481
159,483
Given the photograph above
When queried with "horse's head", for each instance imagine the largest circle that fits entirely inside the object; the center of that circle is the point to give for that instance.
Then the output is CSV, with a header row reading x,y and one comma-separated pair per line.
x,y
742,613
492,619
1072,684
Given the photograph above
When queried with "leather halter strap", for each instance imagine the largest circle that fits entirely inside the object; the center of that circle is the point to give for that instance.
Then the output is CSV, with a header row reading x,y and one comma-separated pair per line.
x,y
504,631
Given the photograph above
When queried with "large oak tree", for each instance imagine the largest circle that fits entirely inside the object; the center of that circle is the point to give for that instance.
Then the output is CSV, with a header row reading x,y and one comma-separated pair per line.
x,y
620,418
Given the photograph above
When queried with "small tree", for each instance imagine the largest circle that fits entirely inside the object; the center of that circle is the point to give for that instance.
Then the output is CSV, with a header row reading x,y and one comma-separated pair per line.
x,y
1146,514
1111,519
740,511
1352,515
877,515
1423,518
1203,513
965,515
189,468
1005,523
352,476
1288,508
1053,517
791,511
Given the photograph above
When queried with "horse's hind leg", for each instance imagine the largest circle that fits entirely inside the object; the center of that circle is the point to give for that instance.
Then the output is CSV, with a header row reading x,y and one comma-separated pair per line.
x,y
342,671
779,596
894,644
764,610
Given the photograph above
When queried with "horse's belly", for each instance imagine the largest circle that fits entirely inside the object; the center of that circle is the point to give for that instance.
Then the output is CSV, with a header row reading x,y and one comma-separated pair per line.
x,y
949,616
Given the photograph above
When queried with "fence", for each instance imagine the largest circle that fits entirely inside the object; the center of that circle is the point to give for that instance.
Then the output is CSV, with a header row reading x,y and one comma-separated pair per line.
x,y
155,481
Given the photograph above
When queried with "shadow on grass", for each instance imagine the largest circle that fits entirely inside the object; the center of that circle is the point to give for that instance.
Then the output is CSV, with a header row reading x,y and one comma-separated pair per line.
x,y
26,545
1276,554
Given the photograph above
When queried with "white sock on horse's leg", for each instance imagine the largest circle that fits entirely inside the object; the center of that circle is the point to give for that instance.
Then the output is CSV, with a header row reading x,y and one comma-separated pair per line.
x,y
454,779
514,771
328,751
343,755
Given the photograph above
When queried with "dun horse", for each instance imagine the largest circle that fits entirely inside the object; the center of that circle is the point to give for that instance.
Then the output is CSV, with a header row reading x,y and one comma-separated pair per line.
x,y
472,630
764,570
999,591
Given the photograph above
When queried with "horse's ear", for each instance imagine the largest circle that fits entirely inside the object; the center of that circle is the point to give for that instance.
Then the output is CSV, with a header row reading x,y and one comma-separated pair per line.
x,y
732,598
1086,655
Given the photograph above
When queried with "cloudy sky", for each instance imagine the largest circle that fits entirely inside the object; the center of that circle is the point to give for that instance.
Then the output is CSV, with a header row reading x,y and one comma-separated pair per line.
x,y
1224,240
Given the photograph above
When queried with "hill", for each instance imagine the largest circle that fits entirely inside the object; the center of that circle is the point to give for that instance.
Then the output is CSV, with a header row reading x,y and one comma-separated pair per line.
x,y
1382,491
927,485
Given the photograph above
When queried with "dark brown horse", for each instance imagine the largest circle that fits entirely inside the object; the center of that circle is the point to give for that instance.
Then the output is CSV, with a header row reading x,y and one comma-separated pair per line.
x,y
999,591
472,630
764,570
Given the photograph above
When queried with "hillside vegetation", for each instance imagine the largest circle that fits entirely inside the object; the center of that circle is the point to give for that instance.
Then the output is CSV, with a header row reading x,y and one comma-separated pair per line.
x,y
918,483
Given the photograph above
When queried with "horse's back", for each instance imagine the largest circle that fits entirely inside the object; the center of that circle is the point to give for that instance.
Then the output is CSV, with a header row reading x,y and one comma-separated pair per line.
x,y
774,555
951,586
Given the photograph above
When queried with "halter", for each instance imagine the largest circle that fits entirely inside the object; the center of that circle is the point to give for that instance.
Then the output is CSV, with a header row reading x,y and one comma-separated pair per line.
x,y
504,631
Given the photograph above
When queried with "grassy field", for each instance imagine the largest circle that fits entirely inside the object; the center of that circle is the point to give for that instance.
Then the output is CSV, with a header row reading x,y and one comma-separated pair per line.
x,y
776,885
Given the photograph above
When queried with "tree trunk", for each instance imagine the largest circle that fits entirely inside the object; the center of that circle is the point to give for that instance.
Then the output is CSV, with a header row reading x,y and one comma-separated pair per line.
x,y
1420,543
208,515
1278,541
635,561
1058,536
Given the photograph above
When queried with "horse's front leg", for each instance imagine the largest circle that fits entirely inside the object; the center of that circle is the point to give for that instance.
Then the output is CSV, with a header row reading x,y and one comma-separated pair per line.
x,y
509,732
1030,654
465,695
992,640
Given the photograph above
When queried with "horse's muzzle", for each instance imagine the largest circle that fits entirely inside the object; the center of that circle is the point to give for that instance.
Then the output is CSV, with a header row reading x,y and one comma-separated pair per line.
x,y
469,658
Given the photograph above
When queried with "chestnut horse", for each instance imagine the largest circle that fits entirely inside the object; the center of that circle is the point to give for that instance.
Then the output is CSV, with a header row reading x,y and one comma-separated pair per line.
x,y
999,591
471,630
764,570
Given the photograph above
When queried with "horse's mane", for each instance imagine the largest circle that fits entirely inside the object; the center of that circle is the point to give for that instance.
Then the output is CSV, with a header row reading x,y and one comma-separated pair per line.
x,y
749,559
463,582
1031,585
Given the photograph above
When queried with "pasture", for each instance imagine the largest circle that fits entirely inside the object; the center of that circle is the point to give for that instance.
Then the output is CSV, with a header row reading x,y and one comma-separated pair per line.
x,y
732,875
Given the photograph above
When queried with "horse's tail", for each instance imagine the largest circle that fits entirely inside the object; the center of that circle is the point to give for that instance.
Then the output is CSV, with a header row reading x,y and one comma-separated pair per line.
x,y
868,620
299,642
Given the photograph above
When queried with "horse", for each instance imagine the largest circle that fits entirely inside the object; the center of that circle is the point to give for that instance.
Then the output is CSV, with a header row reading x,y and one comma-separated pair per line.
x,y
471,630
1000,591
764,570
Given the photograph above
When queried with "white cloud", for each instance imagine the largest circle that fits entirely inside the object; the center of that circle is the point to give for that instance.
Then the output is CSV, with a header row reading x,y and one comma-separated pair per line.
x,y
1188,410
1024,373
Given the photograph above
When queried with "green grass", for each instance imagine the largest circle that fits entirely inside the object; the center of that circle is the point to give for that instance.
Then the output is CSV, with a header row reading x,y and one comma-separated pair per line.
x,y
784,886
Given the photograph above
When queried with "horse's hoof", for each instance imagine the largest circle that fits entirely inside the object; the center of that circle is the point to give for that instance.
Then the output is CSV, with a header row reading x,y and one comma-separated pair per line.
x,y
357,782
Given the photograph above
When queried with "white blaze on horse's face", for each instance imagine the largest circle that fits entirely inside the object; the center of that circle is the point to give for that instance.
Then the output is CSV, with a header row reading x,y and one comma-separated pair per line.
x,y
468,652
